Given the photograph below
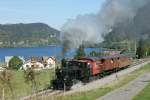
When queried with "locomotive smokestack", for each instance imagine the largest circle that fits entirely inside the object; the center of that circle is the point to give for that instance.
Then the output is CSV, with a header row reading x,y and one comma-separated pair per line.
x,y
65,47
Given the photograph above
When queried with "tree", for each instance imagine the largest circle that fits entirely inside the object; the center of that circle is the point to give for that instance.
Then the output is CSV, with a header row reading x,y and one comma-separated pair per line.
x,y
80,52
140,49
6,79
93,53
15,63
143,48
31,78
63,62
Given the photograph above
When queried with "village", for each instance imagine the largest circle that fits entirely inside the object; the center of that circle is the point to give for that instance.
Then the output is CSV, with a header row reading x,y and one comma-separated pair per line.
x,y
37,63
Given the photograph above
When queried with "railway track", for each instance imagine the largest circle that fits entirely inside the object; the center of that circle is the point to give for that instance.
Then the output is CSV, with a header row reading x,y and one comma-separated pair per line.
x,y
40,95
140,61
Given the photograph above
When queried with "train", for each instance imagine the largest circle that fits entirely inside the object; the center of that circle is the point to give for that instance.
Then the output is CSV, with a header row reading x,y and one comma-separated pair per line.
x,y
85,69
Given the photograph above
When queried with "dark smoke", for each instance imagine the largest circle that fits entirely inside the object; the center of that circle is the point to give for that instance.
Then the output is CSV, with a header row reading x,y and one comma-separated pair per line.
x,y
118,15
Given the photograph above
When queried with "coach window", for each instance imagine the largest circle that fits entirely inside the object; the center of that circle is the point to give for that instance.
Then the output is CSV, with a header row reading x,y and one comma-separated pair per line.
x,y
32,66
27,66
112,60
89,65
103,60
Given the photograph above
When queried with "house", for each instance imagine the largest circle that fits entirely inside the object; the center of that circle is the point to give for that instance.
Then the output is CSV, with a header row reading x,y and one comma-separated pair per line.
x,y
112,52
49,62
2,65
34,63
39,63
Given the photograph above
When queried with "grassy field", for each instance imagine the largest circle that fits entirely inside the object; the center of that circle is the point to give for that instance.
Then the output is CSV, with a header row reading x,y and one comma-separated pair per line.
x,y
94,94
144,94
22,88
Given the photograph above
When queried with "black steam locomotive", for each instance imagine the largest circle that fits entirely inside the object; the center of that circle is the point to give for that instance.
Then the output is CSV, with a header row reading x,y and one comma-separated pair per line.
x,y
69,73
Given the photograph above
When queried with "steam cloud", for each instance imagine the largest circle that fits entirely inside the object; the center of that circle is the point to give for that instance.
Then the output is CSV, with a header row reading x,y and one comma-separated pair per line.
x,y
92,27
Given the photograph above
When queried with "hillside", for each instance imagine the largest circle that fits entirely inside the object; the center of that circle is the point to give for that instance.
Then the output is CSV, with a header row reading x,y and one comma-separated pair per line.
x,y
24,35
142,22
131,30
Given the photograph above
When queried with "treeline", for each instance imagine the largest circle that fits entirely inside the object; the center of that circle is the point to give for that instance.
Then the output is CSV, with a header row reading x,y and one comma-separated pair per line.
x,y
81,53
143,49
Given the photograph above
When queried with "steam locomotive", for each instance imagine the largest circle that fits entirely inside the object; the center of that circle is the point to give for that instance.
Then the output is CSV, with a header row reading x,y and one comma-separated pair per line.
x,y
85,68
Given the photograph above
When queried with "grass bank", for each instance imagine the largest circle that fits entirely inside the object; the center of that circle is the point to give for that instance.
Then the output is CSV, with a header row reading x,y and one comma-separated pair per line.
x,y
96,93
20,87
144,94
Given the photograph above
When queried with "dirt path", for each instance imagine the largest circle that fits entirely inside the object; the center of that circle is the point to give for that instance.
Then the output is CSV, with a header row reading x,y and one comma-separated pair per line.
x,y
128,91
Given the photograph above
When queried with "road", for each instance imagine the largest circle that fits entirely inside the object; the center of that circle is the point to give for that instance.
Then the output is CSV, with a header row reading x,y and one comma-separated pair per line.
x,y
130,90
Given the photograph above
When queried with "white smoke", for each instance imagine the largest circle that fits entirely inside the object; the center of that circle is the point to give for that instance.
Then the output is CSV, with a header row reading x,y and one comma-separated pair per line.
x,y
91,27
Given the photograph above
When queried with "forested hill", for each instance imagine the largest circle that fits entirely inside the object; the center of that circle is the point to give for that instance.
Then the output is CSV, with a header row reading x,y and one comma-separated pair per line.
x,y
33,34
131,30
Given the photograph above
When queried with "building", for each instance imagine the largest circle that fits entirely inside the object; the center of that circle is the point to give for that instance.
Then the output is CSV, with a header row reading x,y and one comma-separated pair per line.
x,y
40,63
49,62
112,52
35,65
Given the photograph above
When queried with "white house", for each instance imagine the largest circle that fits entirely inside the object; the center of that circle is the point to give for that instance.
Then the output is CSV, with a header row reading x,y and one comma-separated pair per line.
x,y
38,64
1,67
49,62
30,64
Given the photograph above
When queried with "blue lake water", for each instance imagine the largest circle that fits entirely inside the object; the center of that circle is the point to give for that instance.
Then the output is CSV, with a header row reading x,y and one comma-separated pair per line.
x,y
41,51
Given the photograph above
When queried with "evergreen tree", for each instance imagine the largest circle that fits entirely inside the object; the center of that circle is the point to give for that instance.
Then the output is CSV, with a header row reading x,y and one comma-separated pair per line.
x,y
143,49
63,62
80,52
93,53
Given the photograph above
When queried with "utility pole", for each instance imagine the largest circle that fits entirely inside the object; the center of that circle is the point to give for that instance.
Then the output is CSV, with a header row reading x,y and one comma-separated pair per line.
x,y
135,47
3,97
64,86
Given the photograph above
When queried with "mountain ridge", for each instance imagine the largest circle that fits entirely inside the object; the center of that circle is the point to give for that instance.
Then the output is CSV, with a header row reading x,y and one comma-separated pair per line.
x,y
27,34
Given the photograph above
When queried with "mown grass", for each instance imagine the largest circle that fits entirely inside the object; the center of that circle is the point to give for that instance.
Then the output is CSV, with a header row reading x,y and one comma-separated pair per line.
x,y
144,94
21,88
96,93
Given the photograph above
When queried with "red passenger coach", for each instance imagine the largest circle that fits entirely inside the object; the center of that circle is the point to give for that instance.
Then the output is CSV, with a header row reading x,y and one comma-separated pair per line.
x,y
108,63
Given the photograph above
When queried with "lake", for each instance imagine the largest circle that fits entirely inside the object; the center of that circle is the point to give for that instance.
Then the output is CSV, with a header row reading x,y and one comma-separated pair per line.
x,y
41,51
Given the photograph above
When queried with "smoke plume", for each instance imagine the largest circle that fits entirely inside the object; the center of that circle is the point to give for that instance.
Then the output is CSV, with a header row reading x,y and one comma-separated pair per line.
x,y
92,27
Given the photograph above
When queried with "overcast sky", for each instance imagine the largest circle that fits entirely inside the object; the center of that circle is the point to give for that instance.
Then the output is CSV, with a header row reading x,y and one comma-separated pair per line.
x,y
52,12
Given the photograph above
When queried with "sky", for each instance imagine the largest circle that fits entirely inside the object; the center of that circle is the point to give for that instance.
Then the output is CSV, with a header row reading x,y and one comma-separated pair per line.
x,y
52,12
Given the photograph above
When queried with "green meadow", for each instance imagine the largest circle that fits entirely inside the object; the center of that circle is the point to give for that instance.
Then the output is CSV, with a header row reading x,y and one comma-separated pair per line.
x,y
18,87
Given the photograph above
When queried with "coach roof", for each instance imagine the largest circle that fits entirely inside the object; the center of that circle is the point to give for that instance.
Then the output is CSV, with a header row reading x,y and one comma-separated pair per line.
x,y
103,57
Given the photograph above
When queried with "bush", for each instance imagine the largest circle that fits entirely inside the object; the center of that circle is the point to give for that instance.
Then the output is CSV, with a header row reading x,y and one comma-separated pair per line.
x,y
80,52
